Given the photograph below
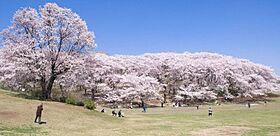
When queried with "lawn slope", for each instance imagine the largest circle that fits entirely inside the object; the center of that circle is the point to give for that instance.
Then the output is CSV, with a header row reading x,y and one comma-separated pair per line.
x,y
17,116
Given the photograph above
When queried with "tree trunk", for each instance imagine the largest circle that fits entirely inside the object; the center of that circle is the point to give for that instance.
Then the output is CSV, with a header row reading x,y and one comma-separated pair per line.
x,y
49,87
62,91
92,93
174,91
44,90
34,88
164,98
142,103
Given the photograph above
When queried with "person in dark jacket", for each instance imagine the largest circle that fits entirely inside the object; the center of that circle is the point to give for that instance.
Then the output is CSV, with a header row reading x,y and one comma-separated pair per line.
x,y
39,113
120,113
114,113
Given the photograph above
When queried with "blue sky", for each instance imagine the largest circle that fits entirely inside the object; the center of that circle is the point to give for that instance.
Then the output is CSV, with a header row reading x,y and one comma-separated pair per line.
x,y
242,28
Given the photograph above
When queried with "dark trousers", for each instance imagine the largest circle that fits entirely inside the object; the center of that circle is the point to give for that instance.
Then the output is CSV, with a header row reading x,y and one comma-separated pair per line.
x,y
144,109
38,117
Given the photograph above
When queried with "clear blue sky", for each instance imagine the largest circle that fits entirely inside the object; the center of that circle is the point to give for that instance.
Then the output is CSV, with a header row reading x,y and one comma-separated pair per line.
x,y
242,28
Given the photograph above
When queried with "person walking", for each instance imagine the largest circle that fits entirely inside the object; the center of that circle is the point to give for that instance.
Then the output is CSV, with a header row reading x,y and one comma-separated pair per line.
x,y
39,113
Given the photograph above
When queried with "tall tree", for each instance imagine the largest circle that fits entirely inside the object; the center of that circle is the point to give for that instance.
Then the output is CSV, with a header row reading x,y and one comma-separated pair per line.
x,y
47,42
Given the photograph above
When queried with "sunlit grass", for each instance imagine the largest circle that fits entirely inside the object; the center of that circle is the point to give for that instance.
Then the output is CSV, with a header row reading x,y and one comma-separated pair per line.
x,y
17,116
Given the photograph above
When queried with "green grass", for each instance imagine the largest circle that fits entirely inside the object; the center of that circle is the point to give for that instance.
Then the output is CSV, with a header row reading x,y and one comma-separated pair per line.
x,y
17,116
4,130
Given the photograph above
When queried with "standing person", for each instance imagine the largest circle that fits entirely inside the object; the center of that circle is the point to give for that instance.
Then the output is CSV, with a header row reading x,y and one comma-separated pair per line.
x,y
39,113
145,108
131,106
249,105
120,113
210,112
197,107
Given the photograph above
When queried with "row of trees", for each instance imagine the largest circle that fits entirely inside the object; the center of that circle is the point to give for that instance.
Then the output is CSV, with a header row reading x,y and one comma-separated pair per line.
x,y
53,47
181,77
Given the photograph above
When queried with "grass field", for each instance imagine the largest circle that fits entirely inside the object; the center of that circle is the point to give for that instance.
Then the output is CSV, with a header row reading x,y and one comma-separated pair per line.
x,y
17,116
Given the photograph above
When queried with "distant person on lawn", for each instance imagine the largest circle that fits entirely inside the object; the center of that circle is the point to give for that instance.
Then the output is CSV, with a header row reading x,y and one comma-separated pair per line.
x,y
120,113
144,108
249,105
210,112
114,113
39,113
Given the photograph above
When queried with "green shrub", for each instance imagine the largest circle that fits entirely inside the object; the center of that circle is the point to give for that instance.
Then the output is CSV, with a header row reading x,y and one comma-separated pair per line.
x,y
56,95
62,99
36,94
70,100
89,104
80,103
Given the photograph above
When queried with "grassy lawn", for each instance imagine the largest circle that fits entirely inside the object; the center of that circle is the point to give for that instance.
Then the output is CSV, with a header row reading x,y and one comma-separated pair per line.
x,y
17,116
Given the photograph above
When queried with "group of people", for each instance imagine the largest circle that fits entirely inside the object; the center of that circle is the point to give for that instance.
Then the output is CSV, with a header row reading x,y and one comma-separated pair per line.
x,y
114,113
119,113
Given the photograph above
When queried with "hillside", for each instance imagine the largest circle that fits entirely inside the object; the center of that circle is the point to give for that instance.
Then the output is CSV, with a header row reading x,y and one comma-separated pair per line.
x,y
17,116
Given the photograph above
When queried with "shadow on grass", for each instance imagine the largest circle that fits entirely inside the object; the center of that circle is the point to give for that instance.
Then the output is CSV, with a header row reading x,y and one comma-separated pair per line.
x,y
42,122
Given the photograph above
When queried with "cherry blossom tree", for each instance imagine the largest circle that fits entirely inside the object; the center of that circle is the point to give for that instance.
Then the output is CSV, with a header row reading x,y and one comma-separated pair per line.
x,y
130,87
47,42
190,76
51,47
